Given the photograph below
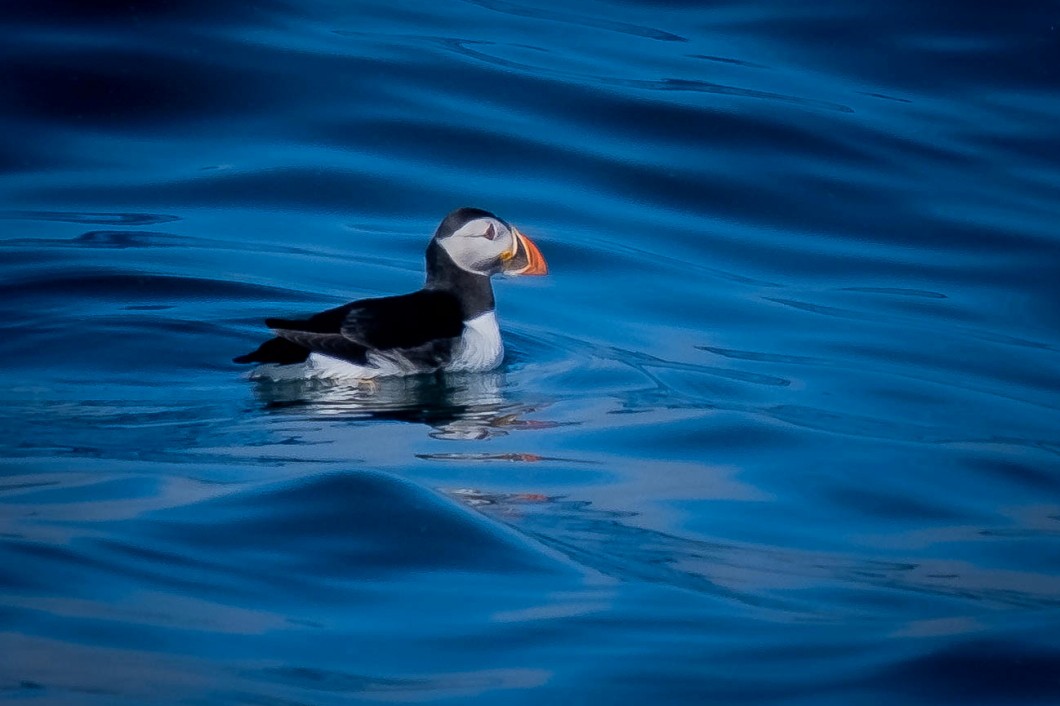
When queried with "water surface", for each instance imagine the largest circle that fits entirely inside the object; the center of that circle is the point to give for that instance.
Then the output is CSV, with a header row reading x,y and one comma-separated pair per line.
x,y
780,427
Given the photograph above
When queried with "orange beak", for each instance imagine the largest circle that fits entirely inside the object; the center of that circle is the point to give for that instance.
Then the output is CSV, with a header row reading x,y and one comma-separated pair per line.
x,y
525,258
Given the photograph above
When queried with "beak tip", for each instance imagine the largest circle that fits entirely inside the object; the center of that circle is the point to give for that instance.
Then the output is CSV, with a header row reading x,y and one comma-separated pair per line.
x,y
535,261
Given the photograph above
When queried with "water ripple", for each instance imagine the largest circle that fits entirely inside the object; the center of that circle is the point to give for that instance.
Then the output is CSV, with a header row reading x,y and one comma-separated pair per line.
x,y
116,219
537,13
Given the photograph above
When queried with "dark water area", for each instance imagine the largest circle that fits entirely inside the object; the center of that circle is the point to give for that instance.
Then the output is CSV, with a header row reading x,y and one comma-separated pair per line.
x,y
782,426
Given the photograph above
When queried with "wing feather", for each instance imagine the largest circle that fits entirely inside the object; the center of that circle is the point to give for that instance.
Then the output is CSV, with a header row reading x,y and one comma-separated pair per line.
x,y
422,321
407,321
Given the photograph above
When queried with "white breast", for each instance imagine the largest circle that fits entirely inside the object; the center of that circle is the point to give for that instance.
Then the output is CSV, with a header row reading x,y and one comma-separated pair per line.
x,y
480,347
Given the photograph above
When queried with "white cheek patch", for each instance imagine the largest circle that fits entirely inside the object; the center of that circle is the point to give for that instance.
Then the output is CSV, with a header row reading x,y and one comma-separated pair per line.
x,y
472,229
460,253
468,246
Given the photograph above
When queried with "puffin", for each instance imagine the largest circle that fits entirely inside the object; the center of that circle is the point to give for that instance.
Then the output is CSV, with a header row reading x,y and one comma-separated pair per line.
x,y
450,325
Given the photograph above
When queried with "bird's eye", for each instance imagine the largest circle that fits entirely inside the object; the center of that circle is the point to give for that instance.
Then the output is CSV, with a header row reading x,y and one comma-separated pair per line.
x,y
490,233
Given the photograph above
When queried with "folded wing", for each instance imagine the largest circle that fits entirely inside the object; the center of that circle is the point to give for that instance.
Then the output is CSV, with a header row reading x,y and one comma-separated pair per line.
x,y
421,321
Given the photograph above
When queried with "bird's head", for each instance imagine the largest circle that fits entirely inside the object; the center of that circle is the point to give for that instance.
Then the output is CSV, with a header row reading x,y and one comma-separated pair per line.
x,y
479,242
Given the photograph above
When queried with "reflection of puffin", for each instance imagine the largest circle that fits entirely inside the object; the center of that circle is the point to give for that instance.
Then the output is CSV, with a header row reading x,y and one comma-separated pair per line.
x,y
460,406
449,325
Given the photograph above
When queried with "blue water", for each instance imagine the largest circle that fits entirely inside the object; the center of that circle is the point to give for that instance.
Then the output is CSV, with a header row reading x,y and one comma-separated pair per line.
x,y
781,427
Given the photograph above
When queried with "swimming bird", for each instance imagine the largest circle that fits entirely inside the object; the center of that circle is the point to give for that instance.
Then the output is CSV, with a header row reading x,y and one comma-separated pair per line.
x,y
447,326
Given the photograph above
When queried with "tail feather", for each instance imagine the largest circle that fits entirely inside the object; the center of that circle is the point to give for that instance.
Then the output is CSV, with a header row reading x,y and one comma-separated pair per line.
x,y
275,350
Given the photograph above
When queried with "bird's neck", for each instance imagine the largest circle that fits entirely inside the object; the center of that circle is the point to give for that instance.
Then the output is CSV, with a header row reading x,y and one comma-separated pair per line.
x,y
474,291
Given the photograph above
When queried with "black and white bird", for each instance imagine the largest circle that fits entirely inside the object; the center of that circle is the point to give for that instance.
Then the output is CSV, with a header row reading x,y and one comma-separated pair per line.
x,y
448,326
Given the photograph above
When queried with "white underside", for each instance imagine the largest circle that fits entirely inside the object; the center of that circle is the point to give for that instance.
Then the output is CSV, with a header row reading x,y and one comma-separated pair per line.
x,y
479,349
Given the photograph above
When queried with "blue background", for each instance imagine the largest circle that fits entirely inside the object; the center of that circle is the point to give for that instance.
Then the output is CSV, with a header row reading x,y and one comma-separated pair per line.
x,y
781,426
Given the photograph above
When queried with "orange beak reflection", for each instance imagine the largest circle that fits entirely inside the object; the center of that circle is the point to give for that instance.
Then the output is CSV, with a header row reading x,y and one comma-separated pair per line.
x,y
525,259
